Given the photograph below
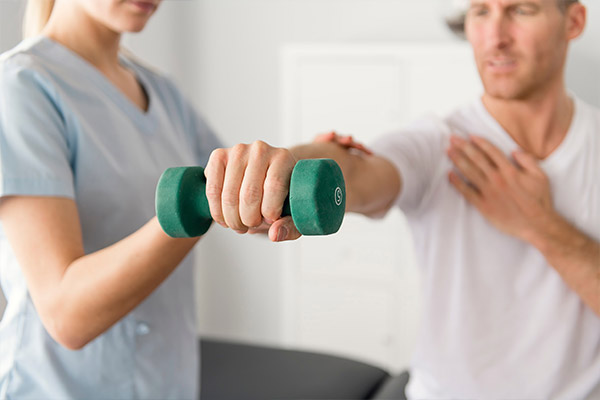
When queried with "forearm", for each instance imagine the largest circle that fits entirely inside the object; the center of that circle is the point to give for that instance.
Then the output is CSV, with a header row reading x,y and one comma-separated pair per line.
x,y
100,288
573,254
372,183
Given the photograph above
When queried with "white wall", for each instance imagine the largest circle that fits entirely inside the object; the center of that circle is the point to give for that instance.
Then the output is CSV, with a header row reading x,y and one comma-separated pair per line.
x,y
226,56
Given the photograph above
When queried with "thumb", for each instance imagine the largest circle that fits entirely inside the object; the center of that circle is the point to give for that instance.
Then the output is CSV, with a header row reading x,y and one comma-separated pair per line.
x,y
283,229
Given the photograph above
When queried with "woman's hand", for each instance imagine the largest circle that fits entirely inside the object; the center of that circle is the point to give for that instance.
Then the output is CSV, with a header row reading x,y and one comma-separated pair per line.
x,y
246,186
346,141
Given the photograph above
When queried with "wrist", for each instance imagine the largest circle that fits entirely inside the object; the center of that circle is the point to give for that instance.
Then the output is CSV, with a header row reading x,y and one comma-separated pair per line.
x,y
548,232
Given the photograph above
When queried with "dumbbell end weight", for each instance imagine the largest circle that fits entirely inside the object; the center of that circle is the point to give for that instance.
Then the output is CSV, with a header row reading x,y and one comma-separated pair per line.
x,y
181,205
317,197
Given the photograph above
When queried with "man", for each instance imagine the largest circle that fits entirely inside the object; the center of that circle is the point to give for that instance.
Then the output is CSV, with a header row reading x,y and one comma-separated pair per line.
x,y
503,197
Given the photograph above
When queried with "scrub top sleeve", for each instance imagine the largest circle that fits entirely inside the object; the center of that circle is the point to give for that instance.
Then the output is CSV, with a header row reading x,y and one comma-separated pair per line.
x,y
34,152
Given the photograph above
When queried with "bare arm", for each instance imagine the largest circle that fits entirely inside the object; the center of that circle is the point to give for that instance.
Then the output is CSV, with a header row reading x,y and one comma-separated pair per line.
x,y
79,296
573,254
516,198
372,182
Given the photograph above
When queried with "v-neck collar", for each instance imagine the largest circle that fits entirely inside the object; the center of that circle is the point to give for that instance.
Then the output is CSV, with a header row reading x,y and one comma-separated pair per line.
x,y
146,120
556,159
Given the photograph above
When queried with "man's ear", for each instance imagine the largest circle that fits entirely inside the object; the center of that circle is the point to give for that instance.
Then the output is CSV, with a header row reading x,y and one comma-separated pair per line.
x,y
576,15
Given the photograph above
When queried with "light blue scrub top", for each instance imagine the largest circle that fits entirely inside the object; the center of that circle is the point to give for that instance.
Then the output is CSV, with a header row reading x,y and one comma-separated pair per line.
x,y
66,131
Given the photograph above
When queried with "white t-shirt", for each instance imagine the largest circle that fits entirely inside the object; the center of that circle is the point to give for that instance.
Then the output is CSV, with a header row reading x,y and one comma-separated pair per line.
x,y
498,321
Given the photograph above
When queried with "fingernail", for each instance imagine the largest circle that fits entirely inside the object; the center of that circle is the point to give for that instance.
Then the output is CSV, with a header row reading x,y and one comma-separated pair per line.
x,y
282,233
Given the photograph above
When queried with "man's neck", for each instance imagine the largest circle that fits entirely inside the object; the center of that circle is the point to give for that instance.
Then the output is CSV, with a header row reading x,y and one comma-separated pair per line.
x,y
537,124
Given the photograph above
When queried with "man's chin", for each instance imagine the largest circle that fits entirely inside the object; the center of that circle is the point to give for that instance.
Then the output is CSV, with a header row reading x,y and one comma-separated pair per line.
x,y
506,92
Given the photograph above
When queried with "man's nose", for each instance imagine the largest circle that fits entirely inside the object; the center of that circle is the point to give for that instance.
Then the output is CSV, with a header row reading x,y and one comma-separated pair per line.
x,y
498,31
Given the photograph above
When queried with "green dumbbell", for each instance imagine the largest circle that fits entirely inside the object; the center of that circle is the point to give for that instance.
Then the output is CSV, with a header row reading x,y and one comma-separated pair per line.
x,y
316,200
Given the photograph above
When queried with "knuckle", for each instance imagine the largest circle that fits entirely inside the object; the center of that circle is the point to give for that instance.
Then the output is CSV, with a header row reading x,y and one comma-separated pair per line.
x,y
252,220
260,147
237,226
276,184
217,217
230,199
512,173
251,195
485,208
271,212
480,159
497,179
213,191
238,151
284,155
217,156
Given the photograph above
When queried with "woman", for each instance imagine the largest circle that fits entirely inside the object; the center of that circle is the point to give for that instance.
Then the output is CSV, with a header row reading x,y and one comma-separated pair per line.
x,y
100,301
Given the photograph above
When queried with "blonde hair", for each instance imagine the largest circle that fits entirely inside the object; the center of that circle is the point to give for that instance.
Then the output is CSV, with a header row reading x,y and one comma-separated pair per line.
x,y
37,13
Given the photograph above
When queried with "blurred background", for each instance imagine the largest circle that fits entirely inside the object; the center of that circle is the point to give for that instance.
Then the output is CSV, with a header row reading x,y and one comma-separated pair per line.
x,y
283,71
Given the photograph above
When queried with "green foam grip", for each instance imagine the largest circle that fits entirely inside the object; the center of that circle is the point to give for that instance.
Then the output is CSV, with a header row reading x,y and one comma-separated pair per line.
x,y
316,200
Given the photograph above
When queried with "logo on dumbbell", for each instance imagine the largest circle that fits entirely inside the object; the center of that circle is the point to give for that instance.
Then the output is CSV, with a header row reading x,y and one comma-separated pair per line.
x,y
338,196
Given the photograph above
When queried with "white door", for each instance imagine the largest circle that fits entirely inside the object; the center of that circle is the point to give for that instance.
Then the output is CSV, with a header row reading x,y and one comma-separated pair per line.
x,y
356,293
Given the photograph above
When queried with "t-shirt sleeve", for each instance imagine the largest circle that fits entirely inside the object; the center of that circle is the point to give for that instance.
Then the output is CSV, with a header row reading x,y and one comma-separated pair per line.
x,y
416,152
34,152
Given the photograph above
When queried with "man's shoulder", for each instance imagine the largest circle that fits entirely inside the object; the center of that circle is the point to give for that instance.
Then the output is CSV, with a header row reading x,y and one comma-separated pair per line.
x,y
432,127
462,120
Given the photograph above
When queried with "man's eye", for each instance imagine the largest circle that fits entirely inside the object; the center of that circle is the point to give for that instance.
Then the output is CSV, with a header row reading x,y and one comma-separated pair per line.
x,y
524,10
479,11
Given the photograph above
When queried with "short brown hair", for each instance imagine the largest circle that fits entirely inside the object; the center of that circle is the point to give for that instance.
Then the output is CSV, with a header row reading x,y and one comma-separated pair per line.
x,y
456,22
564,4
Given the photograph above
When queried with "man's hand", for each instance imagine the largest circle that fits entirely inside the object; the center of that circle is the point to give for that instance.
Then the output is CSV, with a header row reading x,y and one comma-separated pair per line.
x,y
246,186
514,197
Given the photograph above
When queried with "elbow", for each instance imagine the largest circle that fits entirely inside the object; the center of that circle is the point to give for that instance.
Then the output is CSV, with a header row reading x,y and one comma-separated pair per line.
x,y
65,330
71,343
